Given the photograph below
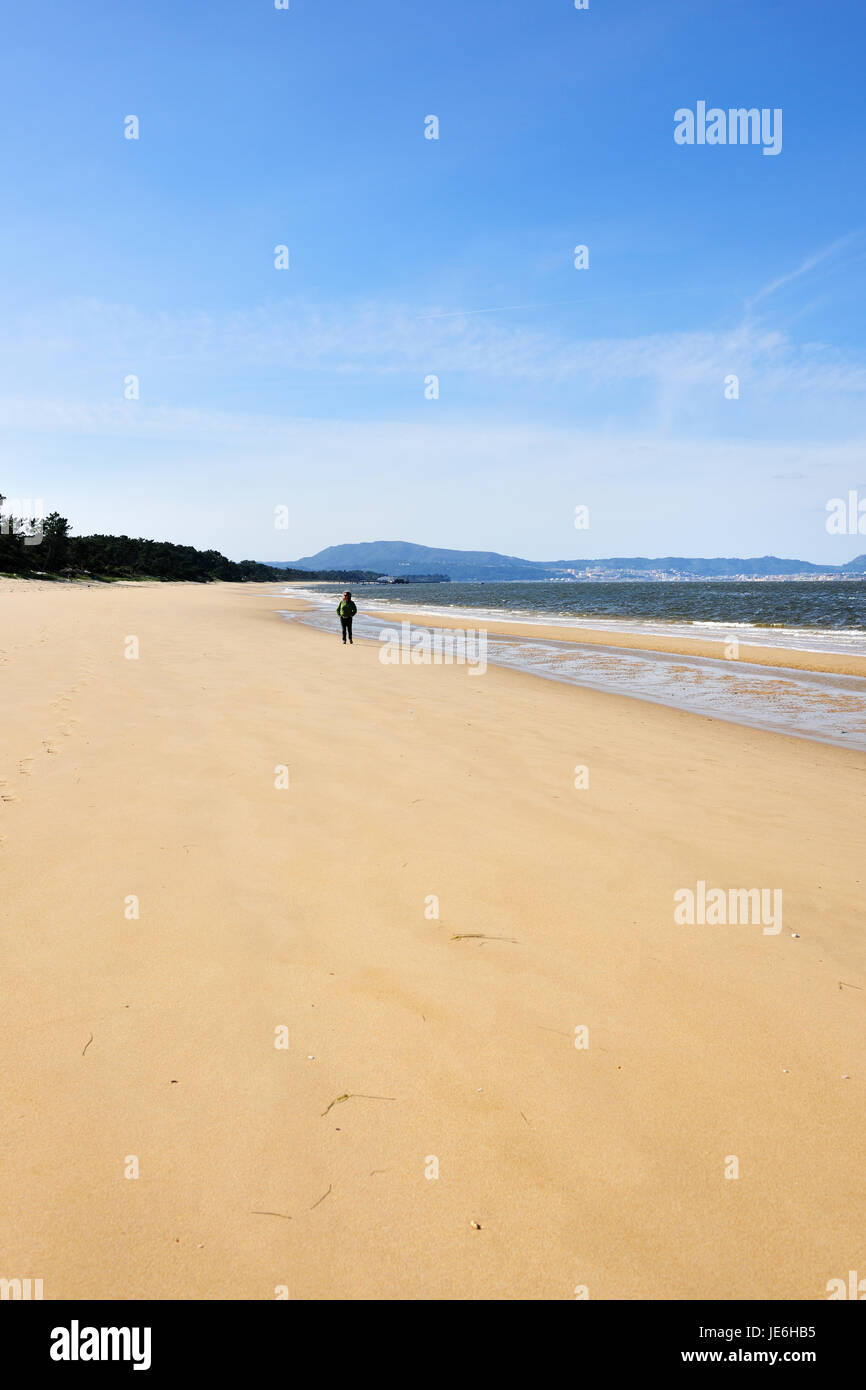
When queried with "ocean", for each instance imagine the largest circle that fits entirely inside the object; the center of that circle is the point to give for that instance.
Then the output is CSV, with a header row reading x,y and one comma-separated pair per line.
x,y
807,615
830,614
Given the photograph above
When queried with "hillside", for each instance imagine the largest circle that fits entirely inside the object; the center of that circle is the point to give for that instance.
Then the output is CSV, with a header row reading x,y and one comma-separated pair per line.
x,y
398,558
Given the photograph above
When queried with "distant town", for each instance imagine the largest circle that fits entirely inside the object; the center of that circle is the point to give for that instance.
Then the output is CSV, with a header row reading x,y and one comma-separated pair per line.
x,y
612,576
403,562
680,577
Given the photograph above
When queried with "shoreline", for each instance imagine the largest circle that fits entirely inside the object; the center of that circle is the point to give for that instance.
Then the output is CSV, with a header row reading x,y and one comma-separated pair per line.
x,y
829,663
803,699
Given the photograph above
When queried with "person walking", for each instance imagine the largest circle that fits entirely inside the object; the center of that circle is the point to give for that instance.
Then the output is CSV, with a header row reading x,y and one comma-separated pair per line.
x,y
347,611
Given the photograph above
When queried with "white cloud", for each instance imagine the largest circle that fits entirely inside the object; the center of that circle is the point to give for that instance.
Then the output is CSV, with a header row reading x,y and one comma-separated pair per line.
x,y
380,341
213,479
645,437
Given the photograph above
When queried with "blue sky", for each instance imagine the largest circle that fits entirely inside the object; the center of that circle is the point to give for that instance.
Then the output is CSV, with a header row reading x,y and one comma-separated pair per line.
x,y
305,387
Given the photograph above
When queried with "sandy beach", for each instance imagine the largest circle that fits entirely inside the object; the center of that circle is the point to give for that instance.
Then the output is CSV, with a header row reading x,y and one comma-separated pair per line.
x,y
247,828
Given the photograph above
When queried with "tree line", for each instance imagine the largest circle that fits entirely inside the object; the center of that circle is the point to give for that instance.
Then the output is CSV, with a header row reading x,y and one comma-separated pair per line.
x,y
43,546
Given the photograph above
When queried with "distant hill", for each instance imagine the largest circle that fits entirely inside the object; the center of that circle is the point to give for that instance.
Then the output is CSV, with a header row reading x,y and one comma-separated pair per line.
x,y
398,558
403,558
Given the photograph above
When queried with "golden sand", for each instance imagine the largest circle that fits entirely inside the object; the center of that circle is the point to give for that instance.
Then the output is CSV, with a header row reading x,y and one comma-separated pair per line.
x,y
417,1044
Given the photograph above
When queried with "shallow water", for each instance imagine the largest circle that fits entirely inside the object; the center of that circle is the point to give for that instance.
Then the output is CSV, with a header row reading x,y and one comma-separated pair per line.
x,y
828,708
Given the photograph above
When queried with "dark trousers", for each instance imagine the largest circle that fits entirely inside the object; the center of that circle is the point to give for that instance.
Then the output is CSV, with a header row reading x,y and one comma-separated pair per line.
x,y
347,628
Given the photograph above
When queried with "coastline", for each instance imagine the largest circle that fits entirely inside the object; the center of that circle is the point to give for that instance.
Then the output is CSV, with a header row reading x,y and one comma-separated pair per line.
x,y
830,663
804,695
410,1036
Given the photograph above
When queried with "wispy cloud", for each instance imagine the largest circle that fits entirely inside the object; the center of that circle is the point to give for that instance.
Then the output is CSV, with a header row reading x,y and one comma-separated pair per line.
x,y
809,264
373,340
213,477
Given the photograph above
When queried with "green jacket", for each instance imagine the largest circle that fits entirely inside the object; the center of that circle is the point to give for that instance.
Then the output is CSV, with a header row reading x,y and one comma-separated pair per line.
x,y
346,608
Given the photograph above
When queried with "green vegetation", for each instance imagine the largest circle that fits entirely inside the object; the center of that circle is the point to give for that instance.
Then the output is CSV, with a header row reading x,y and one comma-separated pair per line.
x,y
31,547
